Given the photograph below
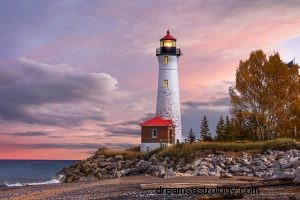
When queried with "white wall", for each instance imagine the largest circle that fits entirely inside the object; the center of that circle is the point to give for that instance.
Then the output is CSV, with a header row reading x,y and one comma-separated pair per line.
x,y
152,146
168,99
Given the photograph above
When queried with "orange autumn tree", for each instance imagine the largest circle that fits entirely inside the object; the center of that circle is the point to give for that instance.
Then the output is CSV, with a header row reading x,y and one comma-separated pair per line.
x,y
265,98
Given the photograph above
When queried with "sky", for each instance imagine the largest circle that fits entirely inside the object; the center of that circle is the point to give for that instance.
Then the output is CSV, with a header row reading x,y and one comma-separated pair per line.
x,y
77,75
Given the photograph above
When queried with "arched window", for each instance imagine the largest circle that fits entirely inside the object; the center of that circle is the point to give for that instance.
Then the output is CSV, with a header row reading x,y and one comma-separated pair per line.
x,y
166,59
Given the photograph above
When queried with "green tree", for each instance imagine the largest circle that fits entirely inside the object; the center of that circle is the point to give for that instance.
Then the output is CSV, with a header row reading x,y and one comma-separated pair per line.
x,y
204,130
191,136
228,130
265,97
220,130
239,127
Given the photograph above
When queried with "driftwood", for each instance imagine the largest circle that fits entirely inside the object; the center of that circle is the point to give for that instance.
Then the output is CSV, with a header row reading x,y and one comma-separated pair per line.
x,y
257,184
219,197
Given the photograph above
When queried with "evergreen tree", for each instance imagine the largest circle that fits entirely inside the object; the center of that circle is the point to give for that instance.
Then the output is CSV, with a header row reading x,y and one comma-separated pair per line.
x,y
239,126
228,130
220,129
204,130
191,136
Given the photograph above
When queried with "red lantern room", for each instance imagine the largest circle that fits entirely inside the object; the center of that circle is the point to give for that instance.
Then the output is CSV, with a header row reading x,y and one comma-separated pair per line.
x,y
168,46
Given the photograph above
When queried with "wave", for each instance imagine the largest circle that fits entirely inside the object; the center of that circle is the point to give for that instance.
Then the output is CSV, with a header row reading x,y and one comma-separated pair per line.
x,y
52,181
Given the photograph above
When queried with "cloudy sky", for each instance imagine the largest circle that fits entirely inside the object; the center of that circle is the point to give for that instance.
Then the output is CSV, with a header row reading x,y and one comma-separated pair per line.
x,y
76,75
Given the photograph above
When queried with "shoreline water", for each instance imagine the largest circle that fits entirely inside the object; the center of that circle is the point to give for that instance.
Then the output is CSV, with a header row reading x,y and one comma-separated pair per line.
x,y
20,173
52,181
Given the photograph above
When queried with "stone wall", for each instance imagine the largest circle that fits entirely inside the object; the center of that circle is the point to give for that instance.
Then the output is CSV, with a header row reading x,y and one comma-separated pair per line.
x,y
271,164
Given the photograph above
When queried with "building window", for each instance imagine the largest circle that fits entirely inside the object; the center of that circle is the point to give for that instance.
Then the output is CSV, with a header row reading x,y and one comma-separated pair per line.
x,y
154,133
166,59
166,83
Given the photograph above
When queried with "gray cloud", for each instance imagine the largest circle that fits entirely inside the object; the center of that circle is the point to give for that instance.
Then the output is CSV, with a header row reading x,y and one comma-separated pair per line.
x,y
191,118
34,92
96,137
73,146
118,131
126,128
118,145
55,136
222,101
30,133
194,111
137,121
70,146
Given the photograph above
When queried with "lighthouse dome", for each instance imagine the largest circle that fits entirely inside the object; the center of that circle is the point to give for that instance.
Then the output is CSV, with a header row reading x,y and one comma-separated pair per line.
x,y
168,37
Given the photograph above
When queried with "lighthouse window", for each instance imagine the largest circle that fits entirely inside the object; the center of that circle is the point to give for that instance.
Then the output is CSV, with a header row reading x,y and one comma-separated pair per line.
x,y
154,133
166,83
166,59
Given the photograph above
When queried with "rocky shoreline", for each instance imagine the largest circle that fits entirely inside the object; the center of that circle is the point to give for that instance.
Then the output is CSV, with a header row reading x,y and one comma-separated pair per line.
x,y
270,164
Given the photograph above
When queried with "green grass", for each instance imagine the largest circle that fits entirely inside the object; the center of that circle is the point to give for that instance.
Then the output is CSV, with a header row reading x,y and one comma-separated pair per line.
x,y
182,150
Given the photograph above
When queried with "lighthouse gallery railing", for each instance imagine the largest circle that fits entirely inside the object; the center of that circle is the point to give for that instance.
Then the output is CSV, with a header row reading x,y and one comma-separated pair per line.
x,y
168,51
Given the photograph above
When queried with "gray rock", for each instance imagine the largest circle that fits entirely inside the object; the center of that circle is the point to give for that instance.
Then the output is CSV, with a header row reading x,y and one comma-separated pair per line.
x,y
291,163
203,167
119,157
259,174
262,167
297,180
187,167
219,169
110,159
226,175
297,172
119,174
170,173
203,172
286,175
178,168
245,169
264,159
194,173
235,168
246,161
190,172
214,174
161,170
143,166
98,175
222,165
109,167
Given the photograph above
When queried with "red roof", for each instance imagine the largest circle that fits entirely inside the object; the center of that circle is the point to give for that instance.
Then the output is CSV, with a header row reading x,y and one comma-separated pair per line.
x,y
168,37
157,121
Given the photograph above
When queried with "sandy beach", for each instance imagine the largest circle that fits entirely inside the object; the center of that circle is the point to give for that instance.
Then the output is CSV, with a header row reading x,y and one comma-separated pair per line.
x,y
129,188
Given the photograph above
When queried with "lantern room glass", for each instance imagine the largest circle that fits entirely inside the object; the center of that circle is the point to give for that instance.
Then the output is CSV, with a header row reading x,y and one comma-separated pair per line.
x,y
167,43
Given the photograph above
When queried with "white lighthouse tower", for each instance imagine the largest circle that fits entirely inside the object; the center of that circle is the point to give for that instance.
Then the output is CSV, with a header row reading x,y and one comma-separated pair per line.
x,y
168,99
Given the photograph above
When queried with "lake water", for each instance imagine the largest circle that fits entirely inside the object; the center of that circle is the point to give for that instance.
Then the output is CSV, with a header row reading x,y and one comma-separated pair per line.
x,y
30,172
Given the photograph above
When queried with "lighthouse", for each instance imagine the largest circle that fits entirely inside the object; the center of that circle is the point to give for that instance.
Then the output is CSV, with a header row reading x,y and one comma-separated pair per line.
x,y
165,128
168,98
